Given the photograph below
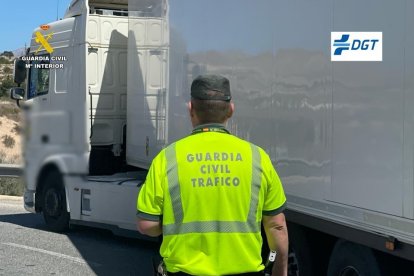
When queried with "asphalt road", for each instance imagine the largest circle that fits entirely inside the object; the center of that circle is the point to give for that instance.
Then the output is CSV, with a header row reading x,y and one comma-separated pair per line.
x,y
27,248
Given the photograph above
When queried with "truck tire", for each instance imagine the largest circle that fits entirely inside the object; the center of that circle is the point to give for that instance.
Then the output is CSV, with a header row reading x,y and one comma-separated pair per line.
x,y
54,202
350,259
300,260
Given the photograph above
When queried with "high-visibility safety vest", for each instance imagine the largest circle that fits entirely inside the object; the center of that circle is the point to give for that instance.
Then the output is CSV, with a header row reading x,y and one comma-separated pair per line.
x,y
210,189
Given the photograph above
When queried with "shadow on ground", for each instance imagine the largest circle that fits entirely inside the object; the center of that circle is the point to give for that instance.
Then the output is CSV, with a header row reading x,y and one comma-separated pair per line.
x,y
105,253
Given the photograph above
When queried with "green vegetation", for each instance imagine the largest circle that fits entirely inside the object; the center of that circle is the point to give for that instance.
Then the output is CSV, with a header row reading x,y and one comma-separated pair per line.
x,y
10,111
4,60
7,70
17,129
8,141
6,66
11,186
6,84
8,54
8,185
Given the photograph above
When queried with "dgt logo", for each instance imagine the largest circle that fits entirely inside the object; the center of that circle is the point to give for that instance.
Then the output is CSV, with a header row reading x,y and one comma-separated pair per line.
x,y
356,46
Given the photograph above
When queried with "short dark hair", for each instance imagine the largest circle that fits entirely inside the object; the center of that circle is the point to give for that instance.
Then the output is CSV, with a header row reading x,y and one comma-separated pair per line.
x,y
211,87
211,111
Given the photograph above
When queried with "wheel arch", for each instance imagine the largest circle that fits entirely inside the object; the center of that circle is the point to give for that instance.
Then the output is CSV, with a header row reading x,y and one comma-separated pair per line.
x,y
64,164
49,166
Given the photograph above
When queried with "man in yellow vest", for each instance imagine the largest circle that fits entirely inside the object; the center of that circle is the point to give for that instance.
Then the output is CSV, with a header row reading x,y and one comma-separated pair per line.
x,y
208,194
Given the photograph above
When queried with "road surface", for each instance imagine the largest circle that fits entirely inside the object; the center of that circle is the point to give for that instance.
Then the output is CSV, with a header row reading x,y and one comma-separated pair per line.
x,y
27,248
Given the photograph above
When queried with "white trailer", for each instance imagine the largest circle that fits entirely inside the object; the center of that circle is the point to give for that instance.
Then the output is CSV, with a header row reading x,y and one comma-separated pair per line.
x,y
341,134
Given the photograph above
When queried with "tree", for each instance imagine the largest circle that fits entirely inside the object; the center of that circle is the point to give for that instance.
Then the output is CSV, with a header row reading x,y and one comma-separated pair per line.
x,y
8,54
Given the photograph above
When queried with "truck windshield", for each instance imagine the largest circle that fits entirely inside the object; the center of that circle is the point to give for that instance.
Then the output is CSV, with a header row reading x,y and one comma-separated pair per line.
x,y
39,78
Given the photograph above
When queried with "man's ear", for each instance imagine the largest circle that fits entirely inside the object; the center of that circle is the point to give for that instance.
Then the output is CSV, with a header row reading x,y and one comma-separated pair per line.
x,y
231,111
190,109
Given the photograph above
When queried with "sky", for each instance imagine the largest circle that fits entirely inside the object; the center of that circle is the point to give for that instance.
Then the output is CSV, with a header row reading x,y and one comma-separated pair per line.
x,y
20,17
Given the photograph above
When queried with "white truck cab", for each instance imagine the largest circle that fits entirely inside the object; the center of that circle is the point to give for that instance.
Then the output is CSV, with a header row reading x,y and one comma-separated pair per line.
x,y
77,162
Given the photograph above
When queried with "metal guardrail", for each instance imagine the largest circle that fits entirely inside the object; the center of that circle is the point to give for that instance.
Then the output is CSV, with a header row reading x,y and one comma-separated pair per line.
x,y
11,170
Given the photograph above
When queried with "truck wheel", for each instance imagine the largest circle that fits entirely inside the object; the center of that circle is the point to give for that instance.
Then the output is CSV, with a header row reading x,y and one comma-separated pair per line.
x,y
350,259
299,259
54,202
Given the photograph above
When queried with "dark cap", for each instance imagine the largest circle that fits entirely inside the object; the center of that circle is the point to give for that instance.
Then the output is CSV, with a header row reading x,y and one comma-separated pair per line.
x,y
211,87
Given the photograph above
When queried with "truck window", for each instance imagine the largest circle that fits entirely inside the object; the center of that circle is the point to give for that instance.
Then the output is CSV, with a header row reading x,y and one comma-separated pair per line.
x,y
38,78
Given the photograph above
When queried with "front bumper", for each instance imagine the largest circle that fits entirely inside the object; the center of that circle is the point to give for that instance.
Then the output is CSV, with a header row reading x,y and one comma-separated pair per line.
x,y
29,201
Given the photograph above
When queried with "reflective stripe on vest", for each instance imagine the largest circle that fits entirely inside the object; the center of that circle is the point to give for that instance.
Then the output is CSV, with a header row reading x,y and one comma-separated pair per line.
x,y
179,227
173,185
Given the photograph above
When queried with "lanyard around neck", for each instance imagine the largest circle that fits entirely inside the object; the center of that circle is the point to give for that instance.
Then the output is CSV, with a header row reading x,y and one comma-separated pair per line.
x,y
220,129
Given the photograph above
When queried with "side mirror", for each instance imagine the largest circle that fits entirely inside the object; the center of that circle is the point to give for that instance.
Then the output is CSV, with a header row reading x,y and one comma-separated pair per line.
x,y
19,72
17,93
